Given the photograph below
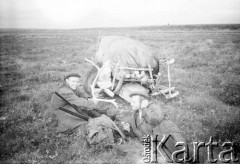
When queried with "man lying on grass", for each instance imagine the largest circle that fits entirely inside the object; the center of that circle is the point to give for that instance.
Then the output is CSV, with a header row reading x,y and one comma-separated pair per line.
x,y
148,119
68,96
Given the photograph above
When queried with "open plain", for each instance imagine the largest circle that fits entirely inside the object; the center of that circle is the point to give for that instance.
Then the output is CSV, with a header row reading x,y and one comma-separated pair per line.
x,y
206,73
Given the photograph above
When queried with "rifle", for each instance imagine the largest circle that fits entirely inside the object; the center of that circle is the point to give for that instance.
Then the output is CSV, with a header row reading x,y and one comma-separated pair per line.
x,y
74,114
79,114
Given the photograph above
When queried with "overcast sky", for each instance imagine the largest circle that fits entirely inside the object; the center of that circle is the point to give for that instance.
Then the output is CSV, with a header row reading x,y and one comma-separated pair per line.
x,y
72,14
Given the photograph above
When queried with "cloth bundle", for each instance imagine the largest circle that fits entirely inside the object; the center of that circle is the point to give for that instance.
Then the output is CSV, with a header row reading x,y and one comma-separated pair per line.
x,y
124,51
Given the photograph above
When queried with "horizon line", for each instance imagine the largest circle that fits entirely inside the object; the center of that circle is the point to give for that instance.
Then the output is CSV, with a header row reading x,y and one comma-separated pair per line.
x,y
105,27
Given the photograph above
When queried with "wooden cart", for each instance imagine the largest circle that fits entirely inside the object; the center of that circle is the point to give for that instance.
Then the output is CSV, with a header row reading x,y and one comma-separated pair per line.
x,y
143,76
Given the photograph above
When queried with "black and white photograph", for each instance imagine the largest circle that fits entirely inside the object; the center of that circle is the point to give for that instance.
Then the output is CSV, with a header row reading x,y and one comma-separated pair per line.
x,y
120,81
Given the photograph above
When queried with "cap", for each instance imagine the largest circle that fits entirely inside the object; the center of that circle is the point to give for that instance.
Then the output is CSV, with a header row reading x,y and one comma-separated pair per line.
x,y
71,75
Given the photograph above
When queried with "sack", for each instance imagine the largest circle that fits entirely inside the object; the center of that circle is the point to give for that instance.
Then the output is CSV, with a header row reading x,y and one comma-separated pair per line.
x,y
125,51
101,129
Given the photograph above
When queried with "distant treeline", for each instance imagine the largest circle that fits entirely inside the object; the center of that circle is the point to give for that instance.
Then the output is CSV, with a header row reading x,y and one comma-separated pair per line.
x,y
168,27
196,27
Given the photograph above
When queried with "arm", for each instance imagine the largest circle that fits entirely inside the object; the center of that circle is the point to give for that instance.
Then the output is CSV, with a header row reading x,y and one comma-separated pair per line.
x,y
81,93
71,97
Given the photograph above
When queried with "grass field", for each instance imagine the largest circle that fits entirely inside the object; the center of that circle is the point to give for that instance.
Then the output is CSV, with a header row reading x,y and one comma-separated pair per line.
x,y
33,62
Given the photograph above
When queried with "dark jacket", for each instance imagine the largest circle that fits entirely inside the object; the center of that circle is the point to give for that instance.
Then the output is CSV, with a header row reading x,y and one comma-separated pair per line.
x,y
143,125
67,121
152,122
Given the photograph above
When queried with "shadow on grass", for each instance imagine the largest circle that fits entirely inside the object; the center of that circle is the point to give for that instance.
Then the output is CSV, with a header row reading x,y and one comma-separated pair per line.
x,y
230,94
229,132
